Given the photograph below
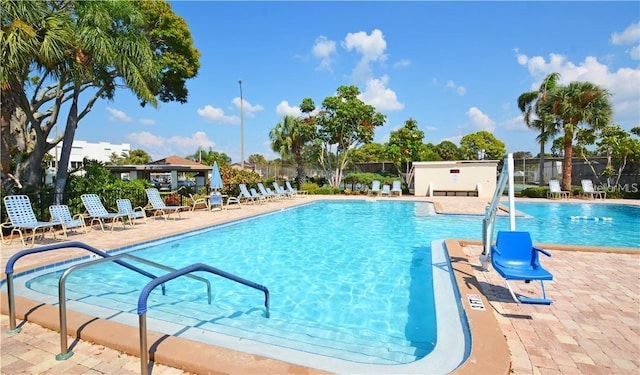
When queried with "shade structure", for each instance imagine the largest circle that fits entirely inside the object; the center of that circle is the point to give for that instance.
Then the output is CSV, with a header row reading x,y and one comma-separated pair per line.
x,y
216,179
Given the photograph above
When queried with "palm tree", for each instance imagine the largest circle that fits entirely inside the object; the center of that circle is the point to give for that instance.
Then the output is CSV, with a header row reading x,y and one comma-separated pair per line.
x,y
529,104
575,105
289,137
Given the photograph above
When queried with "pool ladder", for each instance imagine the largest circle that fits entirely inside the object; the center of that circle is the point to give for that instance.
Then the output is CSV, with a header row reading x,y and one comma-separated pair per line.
x,y
142,299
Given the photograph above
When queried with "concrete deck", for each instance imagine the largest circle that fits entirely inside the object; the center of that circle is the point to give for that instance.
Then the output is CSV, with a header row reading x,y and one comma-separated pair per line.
x,y
592,327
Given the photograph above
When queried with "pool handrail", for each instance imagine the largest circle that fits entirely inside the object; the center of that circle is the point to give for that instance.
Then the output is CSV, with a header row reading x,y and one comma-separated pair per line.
x,y
144,295
488,223
65,353
15,257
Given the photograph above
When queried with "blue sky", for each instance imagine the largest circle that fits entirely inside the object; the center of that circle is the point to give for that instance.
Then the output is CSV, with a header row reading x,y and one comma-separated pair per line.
x,y
455,67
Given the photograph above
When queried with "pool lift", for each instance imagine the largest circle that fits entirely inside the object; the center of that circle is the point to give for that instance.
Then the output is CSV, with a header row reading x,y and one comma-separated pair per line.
x,y
518,260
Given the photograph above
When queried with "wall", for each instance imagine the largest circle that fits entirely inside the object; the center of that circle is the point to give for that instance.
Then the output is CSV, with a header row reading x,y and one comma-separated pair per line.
x,y
463,175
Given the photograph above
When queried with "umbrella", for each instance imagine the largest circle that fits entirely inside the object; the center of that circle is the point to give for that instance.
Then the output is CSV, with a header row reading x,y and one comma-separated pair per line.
x,y
216,180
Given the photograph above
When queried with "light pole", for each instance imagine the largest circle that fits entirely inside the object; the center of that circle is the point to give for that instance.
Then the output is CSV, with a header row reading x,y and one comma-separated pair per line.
x,y
241,128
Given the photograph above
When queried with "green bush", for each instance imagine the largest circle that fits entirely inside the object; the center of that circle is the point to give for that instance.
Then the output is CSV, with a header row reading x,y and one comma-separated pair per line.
x,y
535,192
309,187
325,190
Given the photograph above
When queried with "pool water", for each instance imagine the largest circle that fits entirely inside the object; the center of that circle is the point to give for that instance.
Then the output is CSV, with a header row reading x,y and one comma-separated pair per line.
x,y
351,280
589,224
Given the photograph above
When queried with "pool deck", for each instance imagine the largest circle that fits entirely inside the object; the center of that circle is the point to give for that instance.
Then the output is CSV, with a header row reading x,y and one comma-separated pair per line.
x,y
592,327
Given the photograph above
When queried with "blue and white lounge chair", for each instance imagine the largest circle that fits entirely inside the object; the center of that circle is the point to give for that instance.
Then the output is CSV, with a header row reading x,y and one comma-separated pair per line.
x,y
515,258
294,192
125,207
160,208
555,192
62,215
280,190
245,194
265,193
386,190
589,191
375,188
22,218
259,198
97,212
396,188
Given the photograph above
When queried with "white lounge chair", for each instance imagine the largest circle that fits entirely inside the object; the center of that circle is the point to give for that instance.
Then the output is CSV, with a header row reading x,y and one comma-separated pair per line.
x,y
62,215
396,189
375,188
555,192
22,218
259,198
265,193
294,192
195,201
589,191
245,194
160,208
280,190
125,207
97,212
386,190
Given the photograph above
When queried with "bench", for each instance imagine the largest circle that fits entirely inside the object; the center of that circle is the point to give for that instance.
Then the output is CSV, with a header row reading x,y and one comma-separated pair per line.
x,y
455,193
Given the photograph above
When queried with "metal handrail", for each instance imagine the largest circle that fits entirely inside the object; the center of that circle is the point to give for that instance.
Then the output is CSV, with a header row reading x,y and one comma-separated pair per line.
x,y
488,223
15,257
65,353
144,295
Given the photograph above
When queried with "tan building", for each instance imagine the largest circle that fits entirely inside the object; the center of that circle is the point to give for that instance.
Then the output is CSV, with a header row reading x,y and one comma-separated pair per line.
x,y
455,178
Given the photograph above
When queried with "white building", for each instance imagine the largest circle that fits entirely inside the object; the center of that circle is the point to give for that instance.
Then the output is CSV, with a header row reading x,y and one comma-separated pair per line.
x,y
100,151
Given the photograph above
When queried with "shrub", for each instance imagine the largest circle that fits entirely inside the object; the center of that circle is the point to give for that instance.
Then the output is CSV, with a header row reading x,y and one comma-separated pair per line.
x,y
309,187
535,192
325,190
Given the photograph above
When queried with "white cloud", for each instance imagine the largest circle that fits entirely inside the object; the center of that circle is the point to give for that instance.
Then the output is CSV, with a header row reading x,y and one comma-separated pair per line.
x,y
402,63
147,140
460,90
630,35
622,84
147,121
324,49
247,107
635,53
190,144
214,114
284,109
515,123
379,96
479,120
118,115
371,47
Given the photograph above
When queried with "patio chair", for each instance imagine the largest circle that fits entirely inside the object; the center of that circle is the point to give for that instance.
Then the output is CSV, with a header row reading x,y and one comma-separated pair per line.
x,y
245,194
22,218
386,190
280,190
515,258
125,207
396,189
294,192
61,214
97,212
257,197
160,208
375,188
195,201
555,192
265,193
589,191
215,201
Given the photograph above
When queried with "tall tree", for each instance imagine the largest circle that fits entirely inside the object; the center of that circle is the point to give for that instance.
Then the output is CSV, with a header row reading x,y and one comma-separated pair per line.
x,y
344,122
529,104
472,145
289,137
31,36
113,44
447,150
579,104
405,146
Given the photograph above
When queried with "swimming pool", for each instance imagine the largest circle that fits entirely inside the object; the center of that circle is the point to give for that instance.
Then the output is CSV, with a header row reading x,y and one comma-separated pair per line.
x,y
351,287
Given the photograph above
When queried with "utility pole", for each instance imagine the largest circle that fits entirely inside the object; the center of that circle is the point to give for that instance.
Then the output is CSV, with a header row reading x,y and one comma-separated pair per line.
x,y
241,128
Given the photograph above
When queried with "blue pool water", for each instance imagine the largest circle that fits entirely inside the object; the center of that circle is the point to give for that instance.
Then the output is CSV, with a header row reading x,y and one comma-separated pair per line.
x,y
348,279
608,225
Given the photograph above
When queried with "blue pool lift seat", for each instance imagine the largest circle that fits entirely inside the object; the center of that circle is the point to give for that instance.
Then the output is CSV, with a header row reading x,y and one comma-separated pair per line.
x,y
515,258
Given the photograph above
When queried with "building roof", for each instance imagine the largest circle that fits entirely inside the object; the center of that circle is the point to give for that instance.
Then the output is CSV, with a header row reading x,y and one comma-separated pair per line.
x,y
176,160
168,164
